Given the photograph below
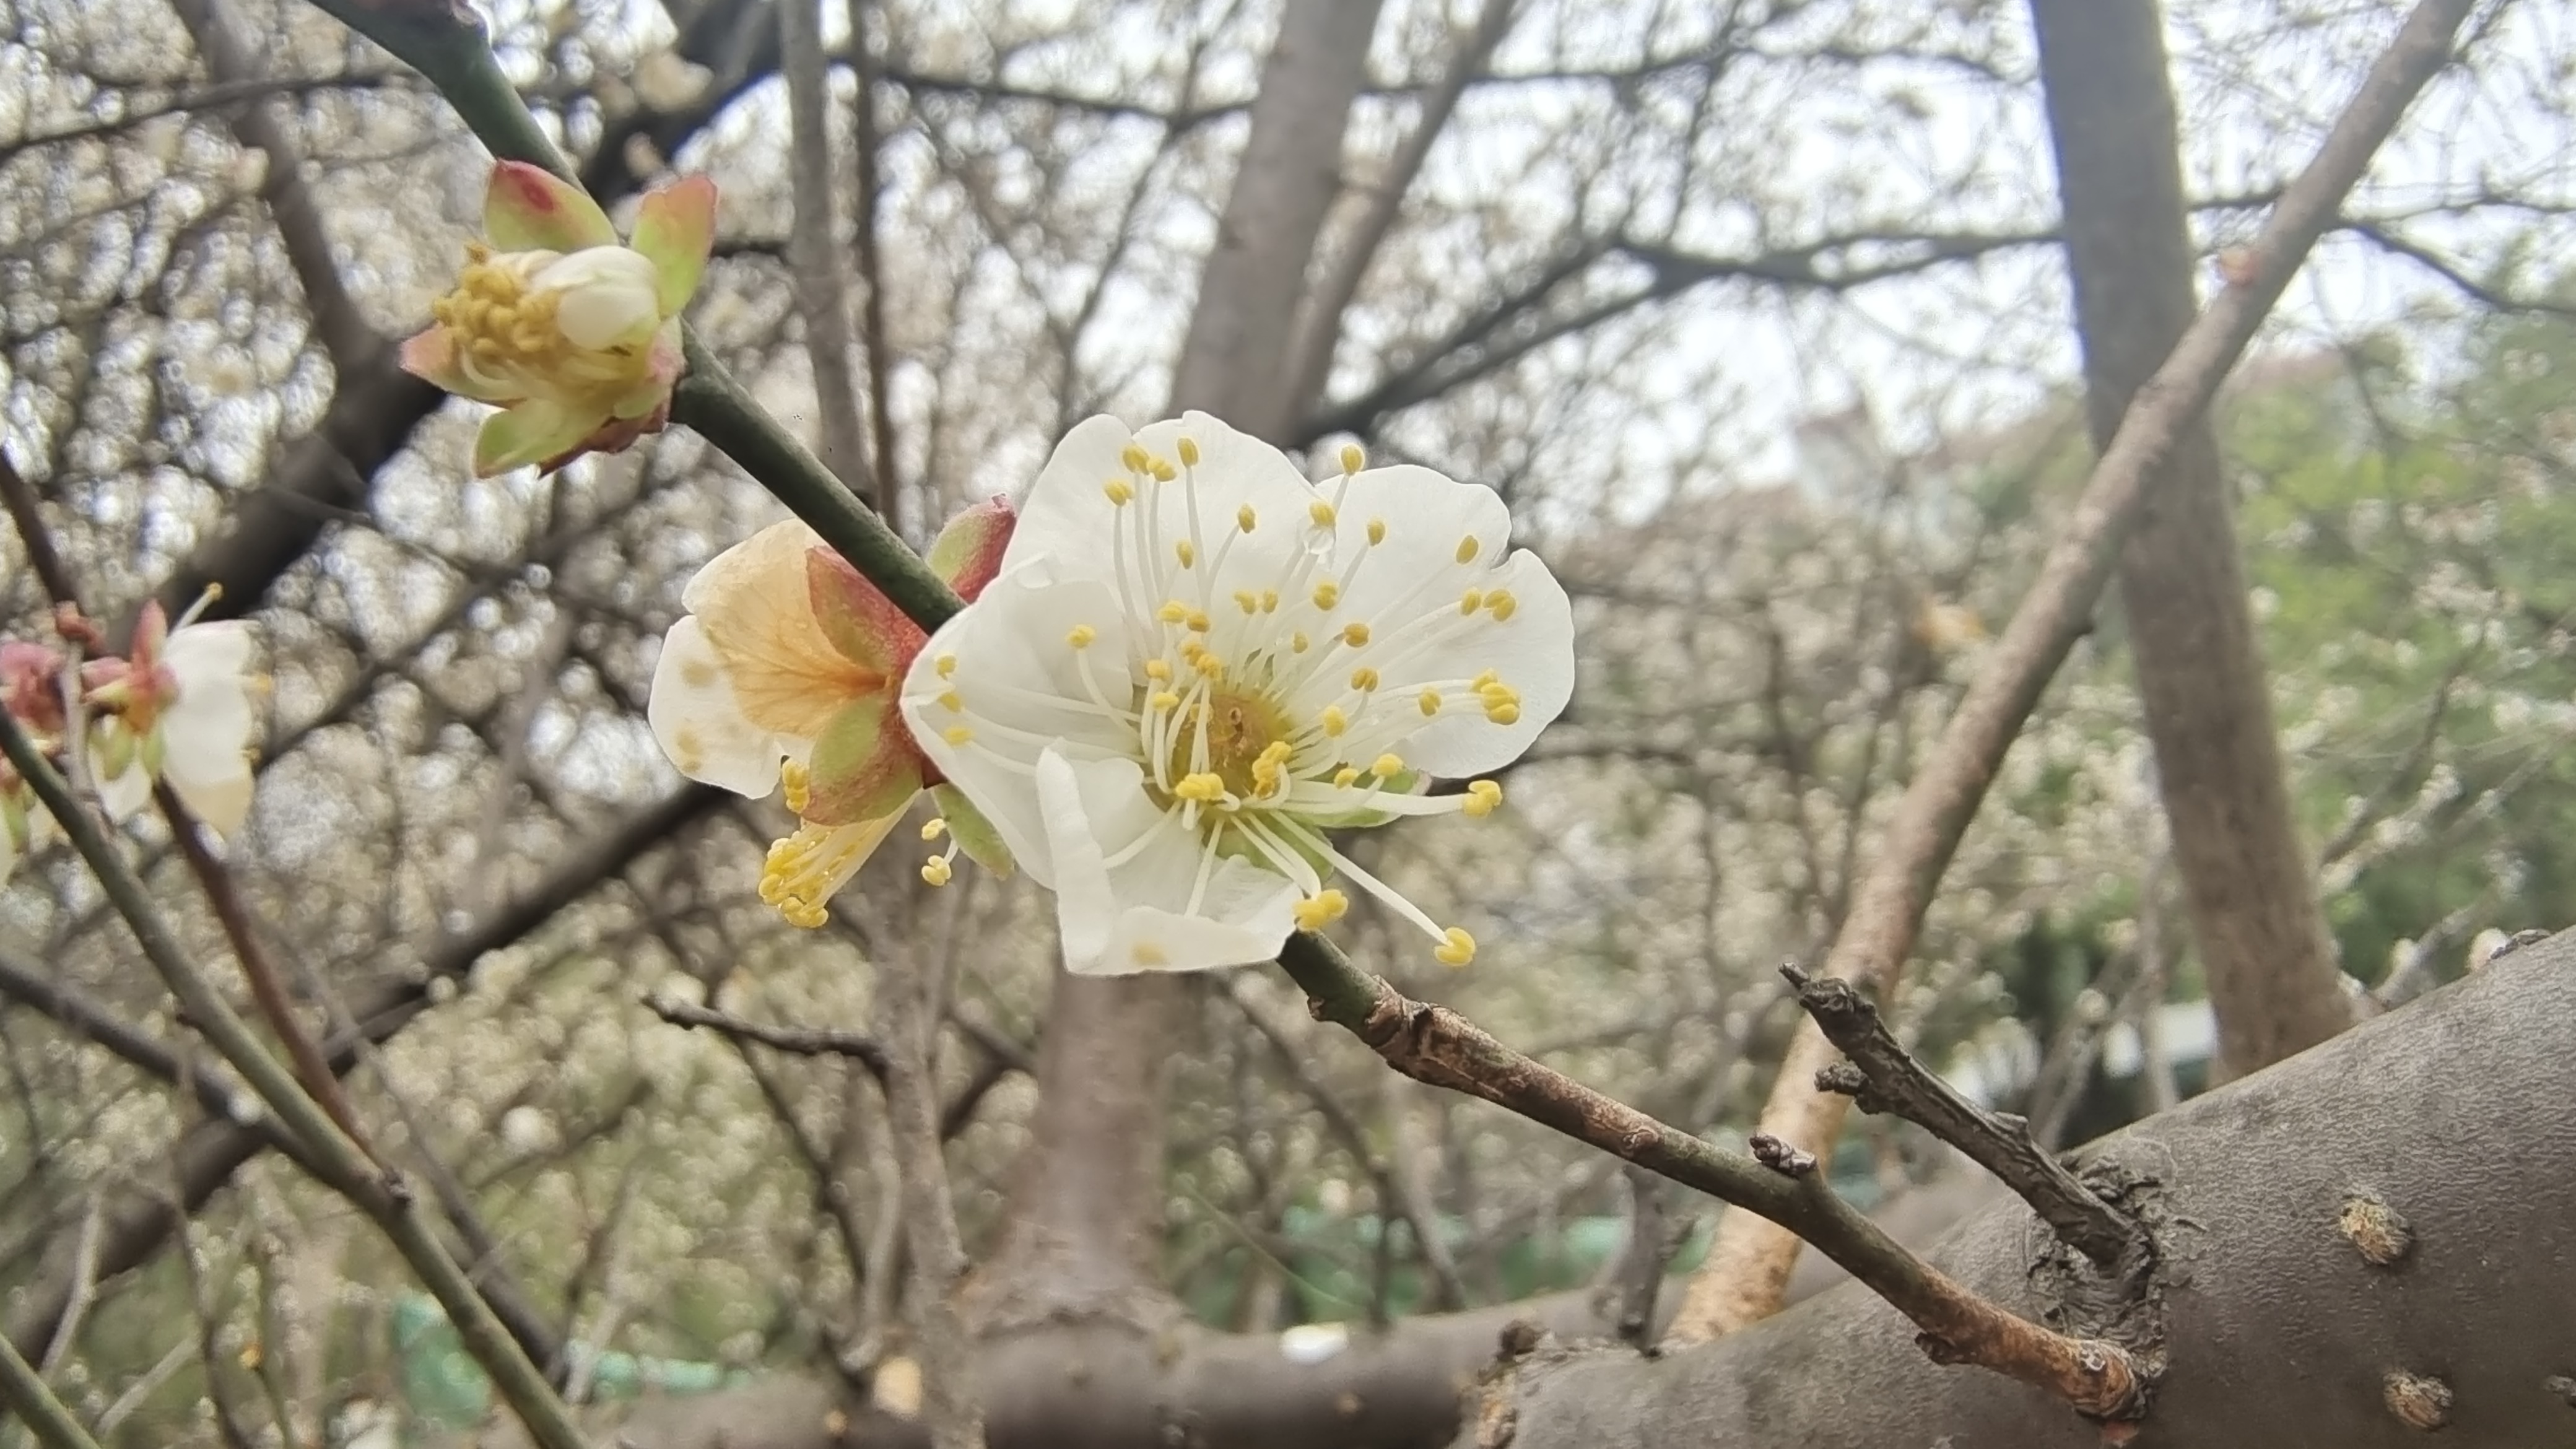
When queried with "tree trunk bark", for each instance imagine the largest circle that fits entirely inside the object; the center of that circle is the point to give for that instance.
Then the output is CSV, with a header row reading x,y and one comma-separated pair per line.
x,y
1085,1227
2281,1329
2251,895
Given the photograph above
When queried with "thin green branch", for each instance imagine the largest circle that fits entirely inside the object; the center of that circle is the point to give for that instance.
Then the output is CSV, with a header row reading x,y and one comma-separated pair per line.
x,y
24,1391
339,1162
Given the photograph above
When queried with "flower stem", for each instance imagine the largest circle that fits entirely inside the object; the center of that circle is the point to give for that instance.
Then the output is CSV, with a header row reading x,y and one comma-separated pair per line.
x,y
24,1391
445,42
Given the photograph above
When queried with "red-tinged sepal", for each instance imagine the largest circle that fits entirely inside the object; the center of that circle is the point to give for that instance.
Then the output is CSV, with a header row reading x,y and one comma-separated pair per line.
x,y
863,766
862,623
528,208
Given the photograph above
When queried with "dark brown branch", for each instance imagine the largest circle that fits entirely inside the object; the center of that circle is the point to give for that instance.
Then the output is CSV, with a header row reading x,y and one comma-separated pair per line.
x,y
1882,1076
801,1041
1436,1045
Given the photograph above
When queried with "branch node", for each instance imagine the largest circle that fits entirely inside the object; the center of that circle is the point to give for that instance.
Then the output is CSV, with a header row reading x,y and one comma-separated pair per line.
x,y
1882,1076
1780,1156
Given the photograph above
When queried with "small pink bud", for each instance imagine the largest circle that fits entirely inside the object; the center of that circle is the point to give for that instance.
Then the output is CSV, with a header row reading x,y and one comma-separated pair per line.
x,y
968,552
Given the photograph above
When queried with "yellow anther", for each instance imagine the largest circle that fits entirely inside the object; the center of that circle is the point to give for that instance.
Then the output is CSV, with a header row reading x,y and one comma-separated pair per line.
x,y
1500,604
1470,601
1245,518
935,870
1430,702
1355,634
1081,635
1163,470
946,664
1327,594
1269,771
1352,457
1486,680
1457,948
1146,953
1186,551
1386,766
1189,450
1377,530
1203,787
1166,700
1363,679
1484,797
948,700
1133,456
1119,491
1270,601
933,828
1334,721
1198,622
1345,777
957,734
1321,909
1173,612
796,783
1158,669
1321,512
1248,601
1503,714
1467,549
1298,642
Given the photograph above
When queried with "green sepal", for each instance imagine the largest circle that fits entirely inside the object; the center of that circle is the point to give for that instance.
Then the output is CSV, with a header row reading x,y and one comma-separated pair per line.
x,y
975,835
863,766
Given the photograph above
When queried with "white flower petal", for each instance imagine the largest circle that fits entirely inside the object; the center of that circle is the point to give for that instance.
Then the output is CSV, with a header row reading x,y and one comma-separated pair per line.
x,y
1065,515
607,295
1134,917
220,800
1021,686
1427,515
1533,652
700,724
123,794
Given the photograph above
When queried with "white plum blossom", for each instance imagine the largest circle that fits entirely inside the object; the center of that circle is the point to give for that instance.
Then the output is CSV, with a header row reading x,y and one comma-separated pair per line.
x,y
1196,664
183,714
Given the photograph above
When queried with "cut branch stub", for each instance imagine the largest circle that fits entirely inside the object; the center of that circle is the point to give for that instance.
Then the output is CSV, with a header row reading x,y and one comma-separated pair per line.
x,y
1882,1076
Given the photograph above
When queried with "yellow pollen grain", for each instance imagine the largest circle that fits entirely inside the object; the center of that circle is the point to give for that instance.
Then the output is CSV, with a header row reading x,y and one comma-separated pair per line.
x,y
1270,601
1204,787
1355,634
1321,512
1189,450
1345,777
1430,702
1386,766
1133,457
1081,635
1158,669
1467,549
1173,612
1119,491
1165,701
1500,604
1327,594
948,700
1186,551
1377,530
1456,948
1247,601
1470,601
1352,457
933,828
946,665
1245,518
1334,721
1146,953
1298,643
957,734
1503,714
1163,470
1484,797
1363,679
935,871
1198,622
797,784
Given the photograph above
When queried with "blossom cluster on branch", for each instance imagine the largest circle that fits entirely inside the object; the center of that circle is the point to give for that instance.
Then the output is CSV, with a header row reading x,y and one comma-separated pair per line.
x,y
176,707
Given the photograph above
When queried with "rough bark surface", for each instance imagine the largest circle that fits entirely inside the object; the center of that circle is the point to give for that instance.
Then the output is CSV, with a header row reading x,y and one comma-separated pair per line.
x,y
2251,895
2281,1330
